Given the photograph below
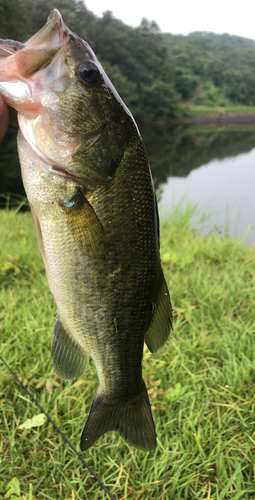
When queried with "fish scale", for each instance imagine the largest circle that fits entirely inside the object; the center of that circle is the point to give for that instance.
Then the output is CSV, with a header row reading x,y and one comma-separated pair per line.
x,y
88,182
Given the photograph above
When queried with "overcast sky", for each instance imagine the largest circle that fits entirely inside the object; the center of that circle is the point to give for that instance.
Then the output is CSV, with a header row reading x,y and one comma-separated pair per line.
x,y
236,17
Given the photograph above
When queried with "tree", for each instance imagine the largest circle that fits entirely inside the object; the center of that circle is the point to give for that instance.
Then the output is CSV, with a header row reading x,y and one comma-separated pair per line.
x,y
149,27
14,23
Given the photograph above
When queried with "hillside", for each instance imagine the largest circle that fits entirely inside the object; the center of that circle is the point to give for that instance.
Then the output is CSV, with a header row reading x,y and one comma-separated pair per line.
x,y
154,73
224,39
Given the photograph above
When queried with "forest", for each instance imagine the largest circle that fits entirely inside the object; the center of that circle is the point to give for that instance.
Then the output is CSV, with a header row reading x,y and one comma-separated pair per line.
x,y
157,74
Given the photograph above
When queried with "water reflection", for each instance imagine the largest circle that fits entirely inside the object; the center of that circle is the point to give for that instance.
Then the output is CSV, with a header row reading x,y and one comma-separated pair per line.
x,y
224,188
177,150
214,168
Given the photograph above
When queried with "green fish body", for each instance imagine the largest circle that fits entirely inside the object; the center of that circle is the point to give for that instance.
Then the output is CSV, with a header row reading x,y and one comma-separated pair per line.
x,y
88,182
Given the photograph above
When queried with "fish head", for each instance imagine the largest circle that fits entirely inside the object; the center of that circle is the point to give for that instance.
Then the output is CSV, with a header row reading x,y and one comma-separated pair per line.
x,y
68,110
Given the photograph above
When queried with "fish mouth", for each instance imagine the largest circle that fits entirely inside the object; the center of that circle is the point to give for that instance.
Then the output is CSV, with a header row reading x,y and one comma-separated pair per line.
x,y
63,171
36,54
32,75
53,34
21,65
86,183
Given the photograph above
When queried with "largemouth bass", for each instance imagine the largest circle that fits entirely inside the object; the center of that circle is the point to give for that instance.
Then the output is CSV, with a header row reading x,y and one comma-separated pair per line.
x,y
89,185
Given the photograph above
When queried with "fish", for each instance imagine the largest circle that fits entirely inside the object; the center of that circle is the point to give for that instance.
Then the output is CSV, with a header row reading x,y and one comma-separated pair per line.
x,y
90,189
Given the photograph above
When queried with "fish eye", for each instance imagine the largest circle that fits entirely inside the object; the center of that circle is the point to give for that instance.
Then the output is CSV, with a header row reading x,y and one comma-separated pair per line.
x,y
89,72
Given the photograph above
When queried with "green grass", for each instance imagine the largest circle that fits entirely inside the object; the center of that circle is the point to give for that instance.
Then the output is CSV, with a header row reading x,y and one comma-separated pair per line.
x,y
201,384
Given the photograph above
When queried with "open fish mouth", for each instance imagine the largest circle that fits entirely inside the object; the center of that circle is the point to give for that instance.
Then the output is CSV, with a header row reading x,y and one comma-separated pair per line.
x,y
31,75
36,55
21,64
53,34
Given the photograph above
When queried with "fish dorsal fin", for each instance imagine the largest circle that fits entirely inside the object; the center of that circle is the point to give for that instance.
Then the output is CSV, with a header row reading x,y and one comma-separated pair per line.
x,y
69,360
161,323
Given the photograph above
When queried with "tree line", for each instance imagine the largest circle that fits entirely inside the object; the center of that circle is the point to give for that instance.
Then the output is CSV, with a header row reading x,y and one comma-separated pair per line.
x,y
156,74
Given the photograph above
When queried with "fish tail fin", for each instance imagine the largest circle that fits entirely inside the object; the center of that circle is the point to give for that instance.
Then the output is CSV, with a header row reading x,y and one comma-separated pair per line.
x,y
132,420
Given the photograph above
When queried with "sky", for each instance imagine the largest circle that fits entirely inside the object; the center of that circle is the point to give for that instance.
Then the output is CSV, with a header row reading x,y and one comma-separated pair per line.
x,y
236,17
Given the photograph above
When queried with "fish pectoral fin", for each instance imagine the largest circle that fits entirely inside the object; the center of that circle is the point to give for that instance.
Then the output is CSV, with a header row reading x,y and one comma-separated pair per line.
x,y
132,420
85,226
69,360
161,322
38,233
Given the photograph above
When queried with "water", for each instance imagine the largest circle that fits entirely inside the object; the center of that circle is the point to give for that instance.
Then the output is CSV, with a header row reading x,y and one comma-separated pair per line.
x,y
224,188
212,167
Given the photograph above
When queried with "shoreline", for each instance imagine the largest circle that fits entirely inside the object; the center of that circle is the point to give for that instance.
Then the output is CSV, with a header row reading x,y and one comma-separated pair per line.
x,y
220,116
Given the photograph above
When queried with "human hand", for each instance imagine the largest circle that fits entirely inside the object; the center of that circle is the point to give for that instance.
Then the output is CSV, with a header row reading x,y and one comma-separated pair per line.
x,y
7,115
4,118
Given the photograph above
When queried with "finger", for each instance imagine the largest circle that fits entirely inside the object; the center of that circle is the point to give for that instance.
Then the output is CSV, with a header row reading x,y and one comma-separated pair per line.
x,y
13,115
4,118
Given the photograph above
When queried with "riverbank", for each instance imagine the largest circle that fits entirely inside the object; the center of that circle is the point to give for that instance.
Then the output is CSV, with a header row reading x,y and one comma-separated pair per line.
x,y
232,115
201,383
221,116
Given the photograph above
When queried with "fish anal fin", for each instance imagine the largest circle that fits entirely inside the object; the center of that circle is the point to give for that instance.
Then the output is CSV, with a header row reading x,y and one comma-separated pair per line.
x,y
132,420
69,360
161,322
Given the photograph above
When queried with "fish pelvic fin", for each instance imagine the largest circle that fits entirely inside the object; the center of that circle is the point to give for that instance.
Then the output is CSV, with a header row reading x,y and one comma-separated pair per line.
x,y
161,322
69,360
132,420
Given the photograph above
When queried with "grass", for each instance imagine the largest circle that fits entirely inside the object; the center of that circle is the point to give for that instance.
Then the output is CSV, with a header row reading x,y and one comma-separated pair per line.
x,y
201,383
